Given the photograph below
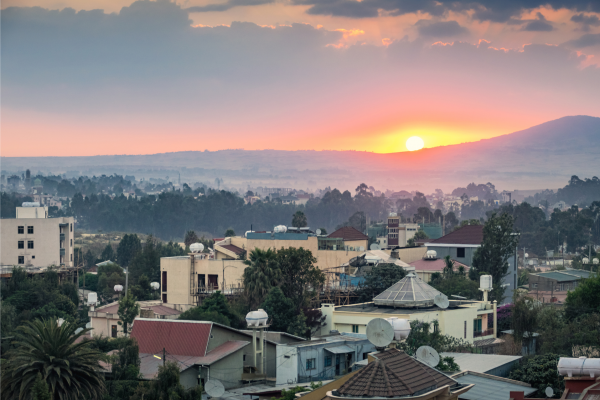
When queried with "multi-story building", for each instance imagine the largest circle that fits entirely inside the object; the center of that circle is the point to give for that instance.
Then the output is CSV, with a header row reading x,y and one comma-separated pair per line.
x,y
399,234
34,240
553,286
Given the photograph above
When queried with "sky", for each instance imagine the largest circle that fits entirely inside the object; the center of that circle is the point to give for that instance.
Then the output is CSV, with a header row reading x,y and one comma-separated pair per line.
x,y
93,77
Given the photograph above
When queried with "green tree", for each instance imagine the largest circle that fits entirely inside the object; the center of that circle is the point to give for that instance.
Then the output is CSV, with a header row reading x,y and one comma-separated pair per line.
x,y
143,290
260,276
300,278
40,389
126,361
146,262
280,309
454,282
190,238
540,372
89,259
108,253
166,386
420,234
299,219
493,255
128,247
378,279
197,314
524,316
428,334
129,309
42,347
229,233
298,326
584,299
323,231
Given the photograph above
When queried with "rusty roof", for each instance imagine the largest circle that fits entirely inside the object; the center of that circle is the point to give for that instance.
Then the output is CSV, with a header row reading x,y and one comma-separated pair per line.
x,y
348,233
188,338
394,374
468,234
233,248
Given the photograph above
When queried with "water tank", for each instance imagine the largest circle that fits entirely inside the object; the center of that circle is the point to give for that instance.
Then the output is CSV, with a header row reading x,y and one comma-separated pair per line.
x,y
257,318
585,260
431,255
485,282
280,229
401,327
92,298
118,288
155,285
595,261
30,204
393,214
196,247
581,366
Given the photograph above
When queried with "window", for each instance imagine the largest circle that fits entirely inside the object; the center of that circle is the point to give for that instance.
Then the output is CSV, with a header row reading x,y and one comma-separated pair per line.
x,y
365,356
164,282
465,329
244,358
534,285
460,252
113,331
30,230
33,257
71,227
328,361
354,328
30,244
71,242
21,230
21,244
310,364
477,325
21,260
71,257
164,297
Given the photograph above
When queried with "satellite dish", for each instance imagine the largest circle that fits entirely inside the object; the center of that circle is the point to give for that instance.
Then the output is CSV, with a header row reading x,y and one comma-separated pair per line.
x,y
441,301
549,392
318,232
428,355
214,388
375,246
380,332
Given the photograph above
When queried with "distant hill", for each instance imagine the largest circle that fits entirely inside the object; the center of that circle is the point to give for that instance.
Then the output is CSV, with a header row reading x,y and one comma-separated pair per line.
x,y
543,156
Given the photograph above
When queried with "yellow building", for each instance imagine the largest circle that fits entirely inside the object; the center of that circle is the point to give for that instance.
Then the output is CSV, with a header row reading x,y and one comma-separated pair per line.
x,y
413,299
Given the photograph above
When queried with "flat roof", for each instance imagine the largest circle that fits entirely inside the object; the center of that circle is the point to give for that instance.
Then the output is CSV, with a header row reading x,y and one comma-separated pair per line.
x,y
480,362
565,275
491,387
372,308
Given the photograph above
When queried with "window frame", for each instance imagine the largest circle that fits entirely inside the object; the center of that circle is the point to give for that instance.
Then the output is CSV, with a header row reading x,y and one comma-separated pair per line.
x,y
21,260
463,250
311,364
30,244
30,230
21,230
21,244
328,361
355,328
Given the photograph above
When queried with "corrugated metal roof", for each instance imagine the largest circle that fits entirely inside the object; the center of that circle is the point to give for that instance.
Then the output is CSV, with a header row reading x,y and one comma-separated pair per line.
x,y
480,362
348,233
565,276
489,388
340,349
177,337
468,234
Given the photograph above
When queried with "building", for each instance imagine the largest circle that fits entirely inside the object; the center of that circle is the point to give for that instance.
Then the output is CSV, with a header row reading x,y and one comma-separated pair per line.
x,y
461,245
204,350
34,240
104,320
553,286
490,387
491,364
413,299
429,265
399,234
322,358
393,374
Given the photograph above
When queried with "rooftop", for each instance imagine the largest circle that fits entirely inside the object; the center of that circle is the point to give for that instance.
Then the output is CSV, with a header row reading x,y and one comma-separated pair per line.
x,y
235,249
468,234
373,308
177,337
480,362
159,309
410,291
348,233
566,275
436,264
490,387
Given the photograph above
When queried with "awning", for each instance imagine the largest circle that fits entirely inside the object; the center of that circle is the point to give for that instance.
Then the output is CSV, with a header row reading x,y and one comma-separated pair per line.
x,y
340,349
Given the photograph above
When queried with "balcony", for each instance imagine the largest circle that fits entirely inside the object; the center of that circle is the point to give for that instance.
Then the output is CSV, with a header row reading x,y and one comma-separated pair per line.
x,y
487,332
62,236
62,252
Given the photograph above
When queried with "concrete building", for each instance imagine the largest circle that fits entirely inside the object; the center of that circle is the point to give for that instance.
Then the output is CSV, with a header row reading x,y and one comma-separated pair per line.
x,y
427,266
322,358
492,364
34,240
412,299
399,234
553,286
461,245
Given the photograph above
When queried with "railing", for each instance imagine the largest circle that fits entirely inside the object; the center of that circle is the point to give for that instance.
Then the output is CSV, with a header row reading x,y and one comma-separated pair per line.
x,y
62,252
62,236
487,332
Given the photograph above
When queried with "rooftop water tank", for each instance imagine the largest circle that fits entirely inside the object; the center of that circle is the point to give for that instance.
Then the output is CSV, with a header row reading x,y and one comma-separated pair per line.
x,y
485,282
581,366
247,232
30,204
196,247
401,327
431,255
257,318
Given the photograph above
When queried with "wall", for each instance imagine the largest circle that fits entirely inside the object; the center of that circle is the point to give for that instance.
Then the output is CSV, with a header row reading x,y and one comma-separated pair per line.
x,y
189,377
102,326
443,251
287,371
178,279
228,370
32,212
46,239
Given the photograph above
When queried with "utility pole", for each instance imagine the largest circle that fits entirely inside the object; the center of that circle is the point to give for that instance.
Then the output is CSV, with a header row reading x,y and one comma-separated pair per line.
x,y
164,356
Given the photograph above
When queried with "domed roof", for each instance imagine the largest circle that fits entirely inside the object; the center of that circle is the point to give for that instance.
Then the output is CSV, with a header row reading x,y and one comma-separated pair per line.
x,y
407,293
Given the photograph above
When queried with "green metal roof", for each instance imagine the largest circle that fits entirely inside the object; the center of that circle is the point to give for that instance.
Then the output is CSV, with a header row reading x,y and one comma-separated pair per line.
x,y
565,276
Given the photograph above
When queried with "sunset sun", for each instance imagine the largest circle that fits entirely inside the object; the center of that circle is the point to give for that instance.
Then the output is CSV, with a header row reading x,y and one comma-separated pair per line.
x,y
414,143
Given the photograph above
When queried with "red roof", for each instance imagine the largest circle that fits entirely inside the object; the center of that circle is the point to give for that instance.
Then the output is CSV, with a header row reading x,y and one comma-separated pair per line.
x,y
348,233
468,234
159,309
233,248
434,265
188,338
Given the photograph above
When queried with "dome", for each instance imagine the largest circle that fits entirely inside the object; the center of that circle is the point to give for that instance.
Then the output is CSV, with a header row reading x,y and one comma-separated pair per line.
x,y
409,292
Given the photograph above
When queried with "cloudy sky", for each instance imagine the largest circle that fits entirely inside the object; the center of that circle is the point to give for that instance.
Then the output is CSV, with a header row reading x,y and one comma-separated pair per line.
x,y
87,77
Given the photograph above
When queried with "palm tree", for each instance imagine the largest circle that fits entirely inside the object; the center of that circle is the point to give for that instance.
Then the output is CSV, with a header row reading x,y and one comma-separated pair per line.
x,y
299,220
71,370
261,275
449,266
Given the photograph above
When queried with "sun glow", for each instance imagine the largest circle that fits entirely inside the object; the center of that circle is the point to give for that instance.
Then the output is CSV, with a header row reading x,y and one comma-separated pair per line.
x,y
414,143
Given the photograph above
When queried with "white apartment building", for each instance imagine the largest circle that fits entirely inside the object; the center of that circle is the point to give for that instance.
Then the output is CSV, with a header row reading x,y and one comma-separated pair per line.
x,y
34,240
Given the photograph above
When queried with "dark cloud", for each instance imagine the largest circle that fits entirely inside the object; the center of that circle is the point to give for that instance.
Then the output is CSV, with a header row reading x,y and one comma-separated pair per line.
x,y
484,10
441,29
228,5
586,21
540,24
587,40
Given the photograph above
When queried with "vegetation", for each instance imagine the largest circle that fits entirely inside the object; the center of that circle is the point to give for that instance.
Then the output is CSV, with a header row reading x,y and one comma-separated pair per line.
x,y
299,219
129,309
214,308
166,386
43,348
455,282
378,279
540,372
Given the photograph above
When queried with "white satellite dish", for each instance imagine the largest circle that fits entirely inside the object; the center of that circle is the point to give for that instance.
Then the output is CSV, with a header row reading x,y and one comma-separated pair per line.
x,y
441,301
375,246
549,392
428,355
214,388
318,232
380,332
